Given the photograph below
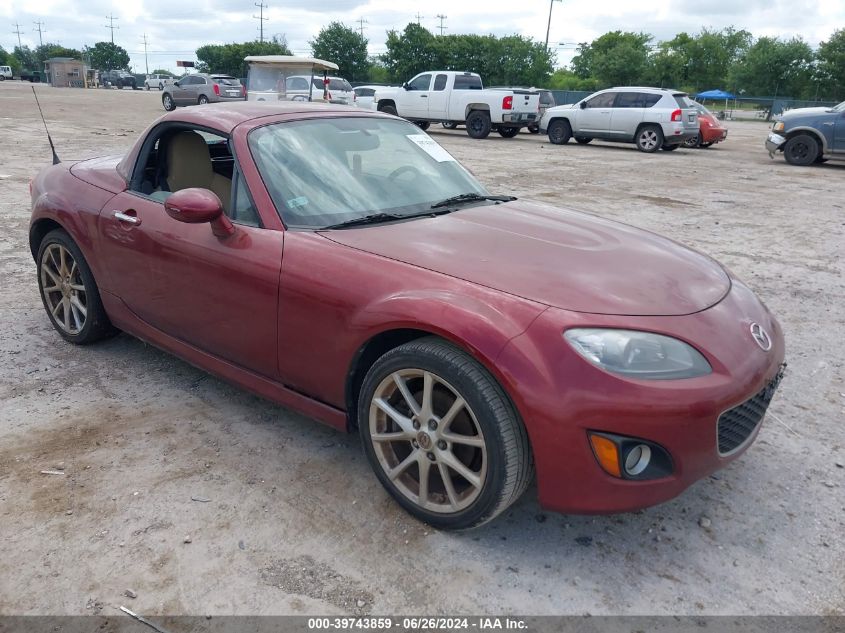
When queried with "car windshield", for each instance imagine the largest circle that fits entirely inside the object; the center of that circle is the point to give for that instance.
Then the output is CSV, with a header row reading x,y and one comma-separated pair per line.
x,y
321,172
840,107
701,109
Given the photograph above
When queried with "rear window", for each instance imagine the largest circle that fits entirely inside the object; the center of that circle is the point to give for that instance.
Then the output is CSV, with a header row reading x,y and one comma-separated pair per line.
x,y
547,99
227,81
683,100
365,92
467,82
335,83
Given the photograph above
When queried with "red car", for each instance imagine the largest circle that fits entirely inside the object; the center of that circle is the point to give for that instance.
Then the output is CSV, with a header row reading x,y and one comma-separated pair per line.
x,y
710,130
341,263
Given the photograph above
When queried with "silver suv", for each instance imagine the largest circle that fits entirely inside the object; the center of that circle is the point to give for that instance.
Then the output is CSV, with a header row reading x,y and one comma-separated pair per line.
x,y
649,117
200,88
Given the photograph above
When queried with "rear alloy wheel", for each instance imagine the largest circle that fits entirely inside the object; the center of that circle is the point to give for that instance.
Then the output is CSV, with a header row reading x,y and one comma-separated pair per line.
x,y
801,150
560,132
69,292
534,128
695,141
649,139
478,124
202,100
508,132
167,102
441,435
583,140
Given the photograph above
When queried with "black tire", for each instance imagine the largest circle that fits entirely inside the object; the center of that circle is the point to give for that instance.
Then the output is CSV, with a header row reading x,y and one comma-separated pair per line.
x,y
670,148
449,125
509,466
388,109
423,125
167,102
96,324
801,150
508,132
202,100
649,138
695,141
534,128
560,132
147,87
478,124
583,140
704,145
161,87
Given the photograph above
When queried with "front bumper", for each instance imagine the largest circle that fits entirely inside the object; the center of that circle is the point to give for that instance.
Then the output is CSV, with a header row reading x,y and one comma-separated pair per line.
x,y
774,142
568,398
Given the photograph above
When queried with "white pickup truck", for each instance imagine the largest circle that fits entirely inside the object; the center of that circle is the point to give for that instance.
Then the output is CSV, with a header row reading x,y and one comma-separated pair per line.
x,y
459,97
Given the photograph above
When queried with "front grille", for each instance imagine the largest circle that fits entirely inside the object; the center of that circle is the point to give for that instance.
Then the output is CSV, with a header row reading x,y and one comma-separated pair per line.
x,y
736,425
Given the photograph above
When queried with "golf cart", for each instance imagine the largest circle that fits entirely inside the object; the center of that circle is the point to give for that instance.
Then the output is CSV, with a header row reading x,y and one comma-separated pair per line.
x,y
287,78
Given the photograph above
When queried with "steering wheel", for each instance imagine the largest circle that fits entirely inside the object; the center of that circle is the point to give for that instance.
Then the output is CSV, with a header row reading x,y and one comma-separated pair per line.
x,y
404,169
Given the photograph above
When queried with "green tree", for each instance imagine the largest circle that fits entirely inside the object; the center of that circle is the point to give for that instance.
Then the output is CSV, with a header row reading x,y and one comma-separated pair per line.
x,y
615,59
566,79
343,46
107,56
162,71
410,52
229,58
7,59
830,72
27,58
775,67
48,51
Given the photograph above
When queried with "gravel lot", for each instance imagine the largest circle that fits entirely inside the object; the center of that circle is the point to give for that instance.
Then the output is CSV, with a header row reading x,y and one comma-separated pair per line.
x,y
296,523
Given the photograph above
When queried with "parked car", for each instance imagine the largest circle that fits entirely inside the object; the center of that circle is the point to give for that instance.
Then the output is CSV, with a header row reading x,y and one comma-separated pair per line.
x,y
809,135
651,118
364,96
118,79
157,81
6,73
469,338
546,101
710,130
340,90
201,88
460,98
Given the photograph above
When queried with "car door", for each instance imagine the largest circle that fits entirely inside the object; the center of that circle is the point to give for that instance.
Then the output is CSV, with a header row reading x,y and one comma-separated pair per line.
x,y
415,97
180,91
218,294
594,115
839,133
627,114
438,98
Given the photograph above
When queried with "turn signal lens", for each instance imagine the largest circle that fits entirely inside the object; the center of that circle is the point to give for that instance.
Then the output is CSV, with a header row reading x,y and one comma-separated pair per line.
x,y
607,454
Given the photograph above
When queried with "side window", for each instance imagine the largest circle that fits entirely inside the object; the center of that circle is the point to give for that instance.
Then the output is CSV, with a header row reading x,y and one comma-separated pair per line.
x,y
604,100
200,80
243,211
629,100
650,100
440,82
420,83
297,83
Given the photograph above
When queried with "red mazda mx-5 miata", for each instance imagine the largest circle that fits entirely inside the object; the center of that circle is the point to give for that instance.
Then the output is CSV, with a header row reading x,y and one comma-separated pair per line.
x,y
341,263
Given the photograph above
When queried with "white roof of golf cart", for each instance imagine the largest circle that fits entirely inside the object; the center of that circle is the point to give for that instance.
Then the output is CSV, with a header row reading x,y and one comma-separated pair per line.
x,y
318,64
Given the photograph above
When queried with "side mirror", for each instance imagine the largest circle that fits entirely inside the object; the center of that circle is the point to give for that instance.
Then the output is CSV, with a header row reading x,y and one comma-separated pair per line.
x,y
583,105
196,206
405,86
176,83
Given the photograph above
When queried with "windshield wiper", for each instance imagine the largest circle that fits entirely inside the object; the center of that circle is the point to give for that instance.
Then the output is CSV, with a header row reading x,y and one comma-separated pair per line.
x,y
378,218
470,197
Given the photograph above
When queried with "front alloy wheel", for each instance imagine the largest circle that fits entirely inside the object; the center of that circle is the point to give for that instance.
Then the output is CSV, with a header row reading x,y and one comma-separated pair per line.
x,y
441,435
65,296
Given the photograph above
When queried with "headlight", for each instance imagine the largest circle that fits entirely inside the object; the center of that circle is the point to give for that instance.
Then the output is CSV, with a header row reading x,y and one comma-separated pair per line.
x,y
778,127
642,355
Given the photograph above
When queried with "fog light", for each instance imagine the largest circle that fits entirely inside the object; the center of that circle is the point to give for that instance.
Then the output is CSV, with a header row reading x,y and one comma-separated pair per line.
x,y
637,459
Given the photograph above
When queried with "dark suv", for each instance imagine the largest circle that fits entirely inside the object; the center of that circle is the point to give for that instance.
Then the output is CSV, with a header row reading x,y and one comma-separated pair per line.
x,y
118,78
809,135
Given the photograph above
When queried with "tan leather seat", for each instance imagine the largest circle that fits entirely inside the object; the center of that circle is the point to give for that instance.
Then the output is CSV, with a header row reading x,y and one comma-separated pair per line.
x,y
189,165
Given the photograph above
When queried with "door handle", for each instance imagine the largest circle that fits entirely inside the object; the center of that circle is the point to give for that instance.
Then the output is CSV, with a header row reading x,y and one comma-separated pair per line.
x,y
828,123
423,96
123,217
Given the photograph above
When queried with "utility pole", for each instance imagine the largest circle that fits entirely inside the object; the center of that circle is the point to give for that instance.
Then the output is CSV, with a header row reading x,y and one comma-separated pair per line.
x,y
17,32
442,18
419,17
549,25
361,22
261,19
39,28
146,61
111,25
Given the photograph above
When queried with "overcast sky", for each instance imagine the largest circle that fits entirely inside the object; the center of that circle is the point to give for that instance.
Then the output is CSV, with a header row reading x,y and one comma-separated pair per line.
x,y
175,29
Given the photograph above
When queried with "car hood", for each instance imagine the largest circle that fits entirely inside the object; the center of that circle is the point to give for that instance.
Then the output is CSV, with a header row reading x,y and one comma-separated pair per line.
x,y
557,257
800,112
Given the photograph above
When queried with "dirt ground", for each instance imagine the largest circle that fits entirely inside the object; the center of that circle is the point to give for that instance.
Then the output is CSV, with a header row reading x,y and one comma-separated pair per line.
x,y
291,520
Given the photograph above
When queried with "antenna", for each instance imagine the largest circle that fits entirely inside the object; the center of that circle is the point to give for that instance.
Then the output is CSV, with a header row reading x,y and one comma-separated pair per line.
x,y
56,160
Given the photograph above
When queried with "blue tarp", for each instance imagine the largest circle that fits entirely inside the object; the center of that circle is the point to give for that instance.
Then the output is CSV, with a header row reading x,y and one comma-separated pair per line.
x,y
714,94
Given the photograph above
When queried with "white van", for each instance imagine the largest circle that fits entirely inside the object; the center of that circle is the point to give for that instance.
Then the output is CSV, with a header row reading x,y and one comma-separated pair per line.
x,y
5,73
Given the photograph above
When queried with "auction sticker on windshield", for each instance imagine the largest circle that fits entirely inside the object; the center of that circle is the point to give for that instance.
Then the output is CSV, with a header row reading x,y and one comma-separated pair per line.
x,y
430,147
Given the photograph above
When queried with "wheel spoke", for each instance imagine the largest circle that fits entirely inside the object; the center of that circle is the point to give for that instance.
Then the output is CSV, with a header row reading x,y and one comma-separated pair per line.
x,y
406,394
467,440
56,307
72,270
76,316
392,437
400,468
425,468
66,311
455,464
56,267
404,423
447,483
427,409
53,276
446,420
52,288
77,287
63,269
76,303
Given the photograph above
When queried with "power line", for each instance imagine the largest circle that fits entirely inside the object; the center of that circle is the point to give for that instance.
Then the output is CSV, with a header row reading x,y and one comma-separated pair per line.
x,y
111,25
39,28
146,61
361,22
442,18
17,32
261,19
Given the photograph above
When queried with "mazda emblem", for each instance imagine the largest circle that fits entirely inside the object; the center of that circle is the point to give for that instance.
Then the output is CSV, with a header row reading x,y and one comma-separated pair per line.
x,y
761,337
